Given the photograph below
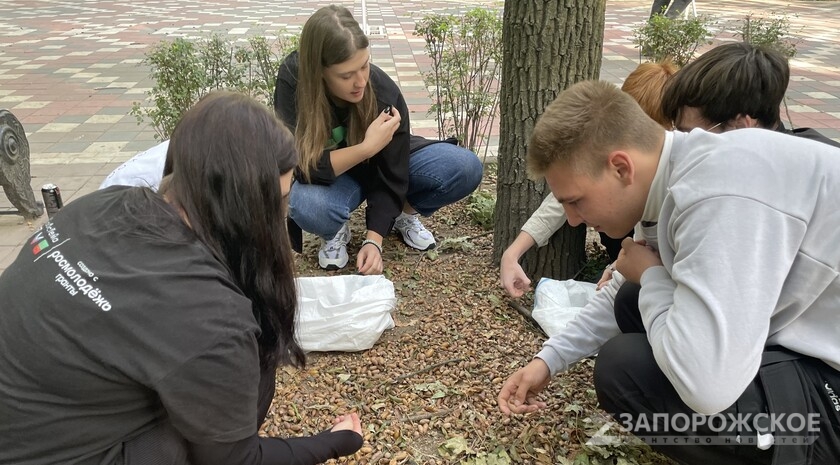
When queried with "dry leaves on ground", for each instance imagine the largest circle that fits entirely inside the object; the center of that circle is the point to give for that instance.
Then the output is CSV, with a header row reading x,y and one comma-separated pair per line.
x,y
426,392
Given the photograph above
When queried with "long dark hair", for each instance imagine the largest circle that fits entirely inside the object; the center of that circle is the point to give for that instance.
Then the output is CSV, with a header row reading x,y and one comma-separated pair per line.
x,y
225,159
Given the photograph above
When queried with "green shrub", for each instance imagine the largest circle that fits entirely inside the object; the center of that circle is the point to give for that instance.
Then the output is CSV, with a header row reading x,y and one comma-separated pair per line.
x,y
183,71
481,205
769,31
466,53
678,39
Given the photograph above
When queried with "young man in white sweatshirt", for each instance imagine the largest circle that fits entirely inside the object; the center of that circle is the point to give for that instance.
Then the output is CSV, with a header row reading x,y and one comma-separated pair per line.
x,y
740,297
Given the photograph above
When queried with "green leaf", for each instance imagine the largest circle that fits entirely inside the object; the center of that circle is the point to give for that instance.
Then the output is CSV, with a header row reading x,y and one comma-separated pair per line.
x,y
499,457
423,387
573,408
582,458
453,447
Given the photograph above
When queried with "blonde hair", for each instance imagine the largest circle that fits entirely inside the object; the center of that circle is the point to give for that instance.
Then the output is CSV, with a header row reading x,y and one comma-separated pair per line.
x,y
584,124
330,36
646,84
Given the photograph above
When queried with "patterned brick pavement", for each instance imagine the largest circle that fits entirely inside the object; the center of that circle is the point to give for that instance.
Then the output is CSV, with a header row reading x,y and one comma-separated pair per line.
x,y
70,71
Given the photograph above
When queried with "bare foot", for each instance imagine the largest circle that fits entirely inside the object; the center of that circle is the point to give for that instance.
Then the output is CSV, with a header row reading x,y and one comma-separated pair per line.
x,y
348,422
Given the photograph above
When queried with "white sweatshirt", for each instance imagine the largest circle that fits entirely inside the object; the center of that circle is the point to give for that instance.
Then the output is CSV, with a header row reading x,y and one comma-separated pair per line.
x,y
144,169
545,221
748,222
595,324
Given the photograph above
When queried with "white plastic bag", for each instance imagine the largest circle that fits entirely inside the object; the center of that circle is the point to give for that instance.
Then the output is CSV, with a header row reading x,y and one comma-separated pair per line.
x,y
556,303
343,313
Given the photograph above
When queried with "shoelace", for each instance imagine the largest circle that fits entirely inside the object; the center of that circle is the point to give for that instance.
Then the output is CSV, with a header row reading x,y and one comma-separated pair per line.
x,y
414,224
336,243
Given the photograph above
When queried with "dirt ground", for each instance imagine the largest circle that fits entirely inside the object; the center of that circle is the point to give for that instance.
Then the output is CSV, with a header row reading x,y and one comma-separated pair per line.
x,y
426,392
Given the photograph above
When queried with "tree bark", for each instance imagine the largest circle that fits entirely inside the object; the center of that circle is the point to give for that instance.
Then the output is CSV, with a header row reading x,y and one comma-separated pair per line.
x,y
548,46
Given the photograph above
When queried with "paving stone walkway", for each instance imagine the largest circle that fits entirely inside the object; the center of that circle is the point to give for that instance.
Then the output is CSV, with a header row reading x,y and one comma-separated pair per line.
x,y
70,71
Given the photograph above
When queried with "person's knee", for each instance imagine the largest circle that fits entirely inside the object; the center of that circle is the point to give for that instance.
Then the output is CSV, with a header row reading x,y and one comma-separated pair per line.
x,y
473,171
626,307
317,214
463,165
620,362
465,174
448,176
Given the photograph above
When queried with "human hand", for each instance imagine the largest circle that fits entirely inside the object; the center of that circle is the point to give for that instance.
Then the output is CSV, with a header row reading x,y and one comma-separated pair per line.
x,y
381,131
519,393
348,422
635,258
605,277
347,444
513,277
369,260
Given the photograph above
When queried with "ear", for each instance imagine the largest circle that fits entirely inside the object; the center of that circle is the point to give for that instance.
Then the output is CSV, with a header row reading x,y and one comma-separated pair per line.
x,y
744,121
620,164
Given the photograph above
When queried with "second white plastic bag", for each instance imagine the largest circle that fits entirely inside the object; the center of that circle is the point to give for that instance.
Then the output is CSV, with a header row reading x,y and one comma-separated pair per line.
x,y
556,303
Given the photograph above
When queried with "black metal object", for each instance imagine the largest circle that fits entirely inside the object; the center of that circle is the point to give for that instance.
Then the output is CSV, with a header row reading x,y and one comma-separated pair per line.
x,y
52,199
15,176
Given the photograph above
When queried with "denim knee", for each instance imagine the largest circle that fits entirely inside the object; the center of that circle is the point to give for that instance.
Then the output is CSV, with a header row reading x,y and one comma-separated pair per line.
x,y
317,212
442,174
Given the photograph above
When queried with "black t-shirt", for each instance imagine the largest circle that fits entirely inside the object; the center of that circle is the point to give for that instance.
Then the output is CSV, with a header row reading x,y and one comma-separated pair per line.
x,y
114,318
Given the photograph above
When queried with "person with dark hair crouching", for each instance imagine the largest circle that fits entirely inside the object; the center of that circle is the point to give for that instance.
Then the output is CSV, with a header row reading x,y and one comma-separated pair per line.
x,y
732,86
146,328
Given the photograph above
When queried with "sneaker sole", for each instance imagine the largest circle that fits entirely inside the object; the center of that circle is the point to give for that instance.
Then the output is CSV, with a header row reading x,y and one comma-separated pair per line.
x,y
332,266
430,247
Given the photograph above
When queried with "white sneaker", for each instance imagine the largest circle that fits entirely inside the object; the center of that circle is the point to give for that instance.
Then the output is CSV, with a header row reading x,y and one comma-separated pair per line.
x,y
413,232
333,253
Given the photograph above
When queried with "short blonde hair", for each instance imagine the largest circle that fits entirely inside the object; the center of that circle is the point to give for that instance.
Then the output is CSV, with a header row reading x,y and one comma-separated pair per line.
x,y
584,124
646,84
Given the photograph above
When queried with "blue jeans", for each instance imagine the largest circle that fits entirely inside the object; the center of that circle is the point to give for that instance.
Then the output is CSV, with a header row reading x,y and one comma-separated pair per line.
x,y
438,175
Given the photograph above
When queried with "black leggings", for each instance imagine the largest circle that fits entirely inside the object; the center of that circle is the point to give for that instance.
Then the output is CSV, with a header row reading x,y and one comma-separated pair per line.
x,y
631,386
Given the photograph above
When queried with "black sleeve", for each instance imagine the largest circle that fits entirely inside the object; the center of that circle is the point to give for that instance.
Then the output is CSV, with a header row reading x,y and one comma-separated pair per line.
x,y
813,134
309,450
387,188
323,173
285,92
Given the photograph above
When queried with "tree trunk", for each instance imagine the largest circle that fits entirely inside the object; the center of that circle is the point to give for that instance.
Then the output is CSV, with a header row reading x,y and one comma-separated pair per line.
x,y
548,46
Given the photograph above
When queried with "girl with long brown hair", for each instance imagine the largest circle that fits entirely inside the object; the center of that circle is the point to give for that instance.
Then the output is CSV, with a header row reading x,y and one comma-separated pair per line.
x,y
352,131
